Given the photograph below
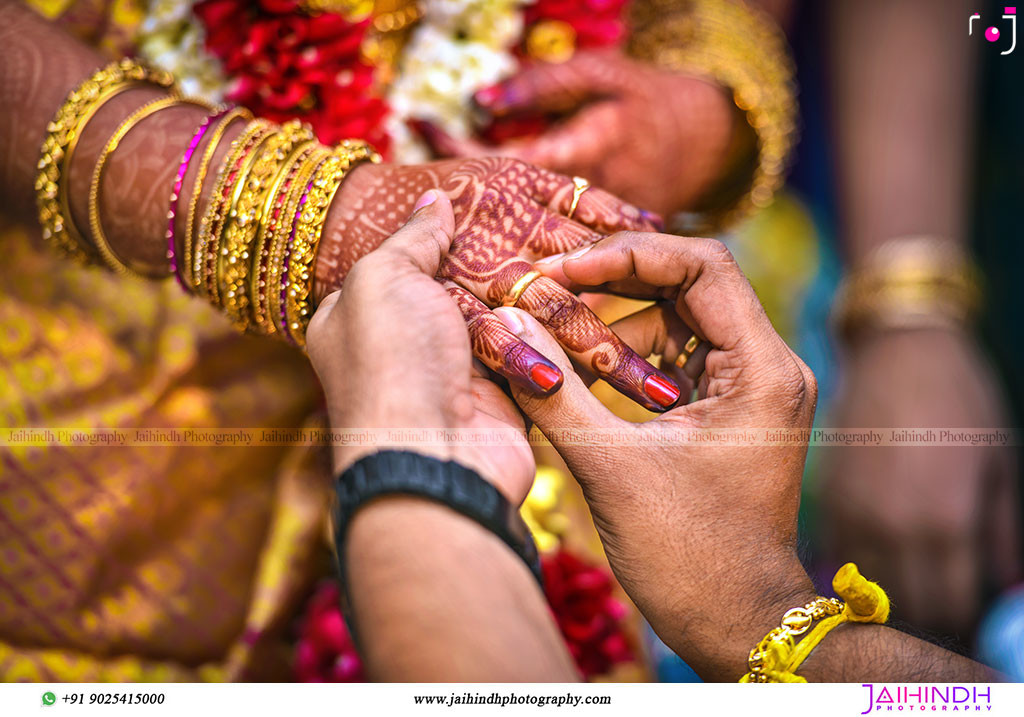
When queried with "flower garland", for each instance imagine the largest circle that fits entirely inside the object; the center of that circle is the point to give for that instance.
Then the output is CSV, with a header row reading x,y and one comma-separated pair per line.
x,y
286,59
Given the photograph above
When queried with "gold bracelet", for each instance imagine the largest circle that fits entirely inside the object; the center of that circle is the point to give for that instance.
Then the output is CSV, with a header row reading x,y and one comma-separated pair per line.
x,y
300,261
246,218
62,135
204,261
99,238
740,48
284,232
909,283
795,622
273,212
777,657
197,189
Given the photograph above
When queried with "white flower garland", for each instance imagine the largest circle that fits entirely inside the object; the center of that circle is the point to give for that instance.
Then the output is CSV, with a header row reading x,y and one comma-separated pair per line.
x,y
172,38
458,47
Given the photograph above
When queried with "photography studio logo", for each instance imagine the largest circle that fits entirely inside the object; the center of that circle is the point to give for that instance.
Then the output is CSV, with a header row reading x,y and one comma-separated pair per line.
x,y
928,698
993,33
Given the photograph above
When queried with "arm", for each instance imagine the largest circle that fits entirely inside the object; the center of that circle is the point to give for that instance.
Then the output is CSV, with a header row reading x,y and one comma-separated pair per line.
x,y
508,213
434,595
903,100
702,536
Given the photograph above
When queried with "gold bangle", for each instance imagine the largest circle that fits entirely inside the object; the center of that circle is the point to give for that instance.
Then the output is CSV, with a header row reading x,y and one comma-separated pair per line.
x,y
99,238
909,283
284,231
197,189
62,135
246,218
300,262
273,212
204,261
740,48
519,288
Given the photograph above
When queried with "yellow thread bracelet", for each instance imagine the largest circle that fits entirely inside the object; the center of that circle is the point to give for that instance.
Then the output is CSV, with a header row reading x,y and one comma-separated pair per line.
x,y
777,657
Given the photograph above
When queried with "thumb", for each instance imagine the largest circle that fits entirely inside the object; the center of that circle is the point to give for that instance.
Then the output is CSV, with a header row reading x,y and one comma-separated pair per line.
x,y
572,419
426,236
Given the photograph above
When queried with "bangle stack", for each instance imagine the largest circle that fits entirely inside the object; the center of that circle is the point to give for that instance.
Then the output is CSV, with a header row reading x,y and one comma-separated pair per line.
x,y
743,50
914,282
253,252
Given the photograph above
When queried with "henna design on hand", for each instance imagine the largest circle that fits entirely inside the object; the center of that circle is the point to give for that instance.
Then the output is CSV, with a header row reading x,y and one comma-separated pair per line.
x,y
507,214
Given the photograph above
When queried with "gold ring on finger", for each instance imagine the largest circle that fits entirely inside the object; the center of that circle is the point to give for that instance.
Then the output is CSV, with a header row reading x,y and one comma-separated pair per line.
x,y
579,185
514,294
687,351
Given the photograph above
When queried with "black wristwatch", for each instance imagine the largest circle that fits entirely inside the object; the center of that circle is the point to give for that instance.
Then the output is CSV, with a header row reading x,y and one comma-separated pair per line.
x,y
446,482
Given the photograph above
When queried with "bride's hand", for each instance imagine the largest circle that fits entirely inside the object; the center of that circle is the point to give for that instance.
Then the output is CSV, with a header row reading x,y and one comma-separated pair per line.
x,y
508,214
657,138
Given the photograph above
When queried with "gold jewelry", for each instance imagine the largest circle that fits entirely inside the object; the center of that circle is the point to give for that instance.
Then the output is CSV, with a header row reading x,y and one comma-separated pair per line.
x,y
687,352
909,283
284,232
778,656
519,288
795,622
247,215
273,217
739,47
579,185
301,257
62,135
204,261
99,238
197,189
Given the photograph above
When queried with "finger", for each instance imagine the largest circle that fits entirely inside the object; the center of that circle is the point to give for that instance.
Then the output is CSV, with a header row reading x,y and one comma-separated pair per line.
x,y
596,208
554,233
574,146
548,87
708,278
444,145
501,350
425,238
658,330
567,416
589,342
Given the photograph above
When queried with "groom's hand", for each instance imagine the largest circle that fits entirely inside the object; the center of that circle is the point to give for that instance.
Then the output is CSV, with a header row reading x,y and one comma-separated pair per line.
x,y
696,508
393,355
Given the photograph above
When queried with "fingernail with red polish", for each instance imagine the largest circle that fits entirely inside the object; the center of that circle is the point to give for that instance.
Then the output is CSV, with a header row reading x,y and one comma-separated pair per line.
x,y
428,198
545,376
487,96
660,390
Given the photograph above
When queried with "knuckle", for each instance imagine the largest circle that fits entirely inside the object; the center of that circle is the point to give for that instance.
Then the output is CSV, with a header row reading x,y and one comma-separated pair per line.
x,y
560,310
716,252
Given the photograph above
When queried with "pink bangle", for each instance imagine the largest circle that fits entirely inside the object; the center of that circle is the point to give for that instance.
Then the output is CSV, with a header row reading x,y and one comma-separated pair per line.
x,y
186,158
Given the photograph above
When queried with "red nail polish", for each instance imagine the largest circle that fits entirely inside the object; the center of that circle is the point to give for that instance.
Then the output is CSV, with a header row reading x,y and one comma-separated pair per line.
x,y
661,391
547,377
487,96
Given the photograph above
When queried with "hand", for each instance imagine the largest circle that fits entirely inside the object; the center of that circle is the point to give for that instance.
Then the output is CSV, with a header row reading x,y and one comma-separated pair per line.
x,y
934,525
507,215
361,339
701,537
659,139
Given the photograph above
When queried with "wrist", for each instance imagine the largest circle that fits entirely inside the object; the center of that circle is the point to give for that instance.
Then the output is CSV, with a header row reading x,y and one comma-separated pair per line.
x,y
717,637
